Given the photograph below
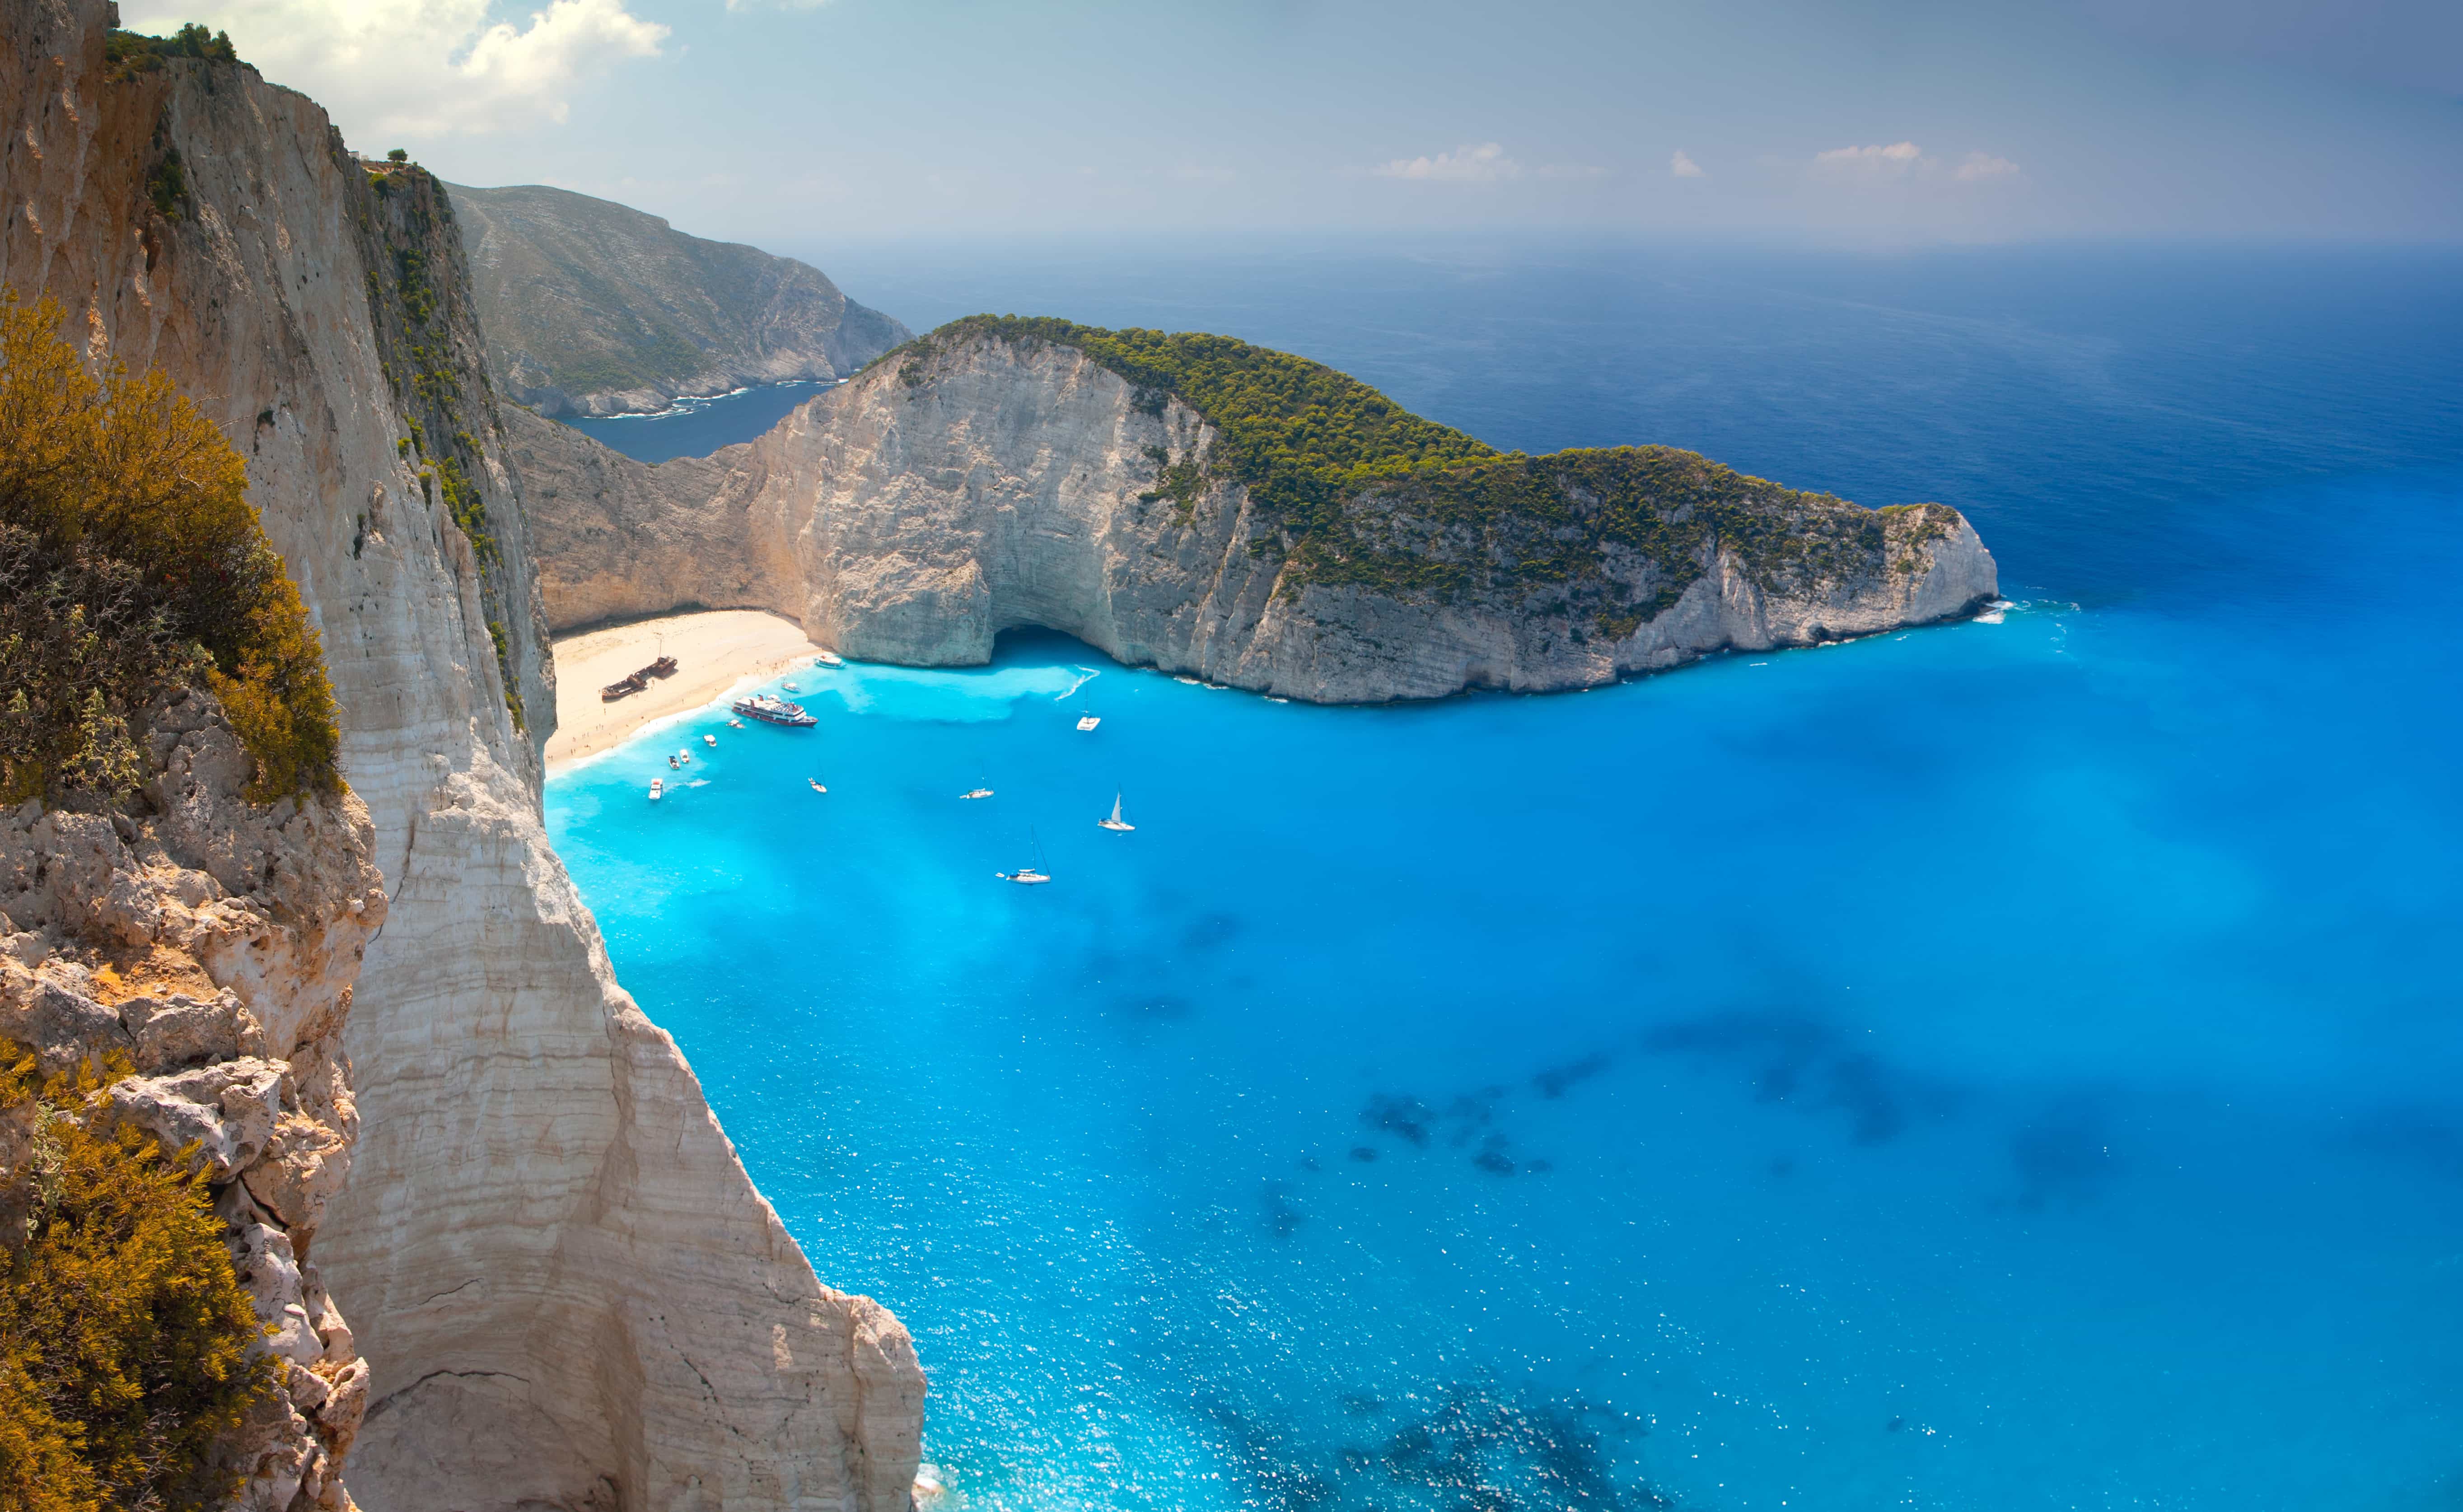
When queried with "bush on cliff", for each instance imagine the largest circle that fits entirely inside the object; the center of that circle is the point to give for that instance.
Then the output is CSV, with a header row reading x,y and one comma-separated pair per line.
x,y
127,1347
129,53
132,564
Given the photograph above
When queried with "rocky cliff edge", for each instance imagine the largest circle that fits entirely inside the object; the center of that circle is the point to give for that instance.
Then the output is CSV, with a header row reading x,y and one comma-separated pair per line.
x,y
568,1293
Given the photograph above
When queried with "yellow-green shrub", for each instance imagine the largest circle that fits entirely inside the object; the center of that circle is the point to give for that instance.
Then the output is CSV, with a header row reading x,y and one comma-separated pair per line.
x,y
131,564
125,1341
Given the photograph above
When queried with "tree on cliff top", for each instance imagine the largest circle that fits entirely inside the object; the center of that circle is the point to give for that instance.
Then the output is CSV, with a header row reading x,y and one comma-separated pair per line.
x,y
131,566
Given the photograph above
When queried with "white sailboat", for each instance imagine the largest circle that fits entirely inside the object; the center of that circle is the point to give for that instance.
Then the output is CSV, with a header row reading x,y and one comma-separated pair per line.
x,y
1028,876
1115,823
1087,721
976,792
816,783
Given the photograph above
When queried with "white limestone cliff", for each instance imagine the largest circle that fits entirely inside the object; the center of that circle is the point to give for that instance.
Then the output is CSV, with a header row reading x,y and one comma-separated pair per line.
x,y
569,1293
913,514
214,943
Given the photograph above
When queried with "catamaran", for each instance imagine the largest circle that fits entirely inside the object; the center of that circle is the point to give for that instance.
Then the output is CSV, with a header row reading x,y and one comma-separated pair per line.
x,y
1115,823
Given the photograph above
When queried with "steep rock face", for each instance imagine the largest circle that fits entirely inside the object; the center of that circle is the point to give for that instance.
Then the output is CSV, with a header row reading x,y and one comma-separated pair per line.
x,y
592,307
568,1291
913,514
214,943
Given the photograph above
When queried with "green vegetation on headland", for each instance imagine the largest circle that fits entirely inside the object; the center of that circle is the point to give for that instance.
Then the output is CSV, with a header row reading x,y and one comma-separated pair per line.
x,y
127,1347
129,53
1356,491
132,565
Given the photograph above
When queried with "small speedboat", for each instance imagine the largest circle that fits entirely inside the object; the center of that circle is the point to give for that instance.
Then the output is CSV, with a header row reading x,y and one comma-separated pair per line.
x,y
1088,721
791,687
829,659
815,783
658,785
683,758
735,725
673,765
710,739
976,792
1115,823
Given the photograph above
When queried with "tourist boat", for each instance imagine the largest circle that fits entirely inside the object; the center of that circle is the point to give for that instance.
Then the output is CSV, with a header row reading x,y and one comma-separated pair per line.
x,y
791,687
1028,876
829,659
658,785
1087,721
816,784
770,709
710,739
976,792
1116,822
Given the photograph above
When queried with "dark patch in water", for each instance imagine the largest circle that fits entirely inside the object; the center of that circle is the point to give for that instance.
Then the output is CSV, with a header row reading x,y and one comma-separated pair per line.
x,y
1470,1447
1492,1157
2420,1137
1283,1219
1363,1154
1210,932
1806,1064
1553,1081
2064,1153
1406,1118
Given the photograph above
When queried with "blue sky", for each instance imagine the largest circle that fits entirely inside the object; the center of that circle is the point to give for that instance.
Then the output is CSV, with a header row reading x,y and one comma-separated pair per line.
x,y
1872,122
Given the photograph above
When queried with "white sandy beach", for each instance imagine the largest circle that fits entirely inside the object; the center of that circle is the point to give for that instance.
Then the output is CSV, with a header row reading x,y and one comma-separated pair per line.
x,y
713,652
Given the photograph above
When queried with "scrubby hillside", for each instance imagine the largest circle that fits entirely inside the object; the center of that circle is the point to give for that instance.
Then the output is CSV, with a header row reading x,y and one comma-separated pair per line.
x,y
593,308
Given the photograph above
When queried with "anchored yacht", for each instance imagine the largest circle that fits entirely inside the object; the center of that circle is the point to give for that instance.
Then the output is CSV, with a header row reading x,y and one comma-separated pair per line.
x,y
1116,823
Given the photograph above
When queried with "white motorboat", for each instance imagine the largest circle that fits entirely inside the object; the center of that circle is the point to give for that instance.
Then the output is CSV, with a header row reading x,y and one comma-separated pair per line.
x,y
710,739
683,758
976,792
735,725
658,785
1115,823
829,659
791,687
816,784
1087,721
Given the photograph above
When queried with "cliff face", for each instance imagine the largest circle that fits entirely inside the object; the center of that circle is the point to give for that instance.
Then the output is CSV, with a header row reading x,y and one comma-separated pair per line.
x,y
597,309
214,943
569,1293
913,514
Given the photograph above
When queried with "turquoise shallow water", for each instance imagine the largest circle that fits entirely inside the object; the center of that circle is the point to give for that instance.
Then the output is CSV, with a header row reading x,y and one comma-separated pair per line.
x,y
1998,1065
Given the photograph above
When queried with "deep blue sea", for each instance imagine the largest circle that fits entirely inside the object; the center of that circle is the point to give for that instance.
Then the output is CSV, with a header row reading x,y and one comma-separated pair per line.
x,y
696,427
2009,1065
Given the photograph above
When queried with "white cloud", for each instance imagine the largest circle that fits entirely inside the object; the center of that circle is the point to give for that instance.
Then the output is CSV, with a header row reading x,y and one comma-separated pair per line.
x,y
1682,166
1905,162
425,67
1896,161
1483,164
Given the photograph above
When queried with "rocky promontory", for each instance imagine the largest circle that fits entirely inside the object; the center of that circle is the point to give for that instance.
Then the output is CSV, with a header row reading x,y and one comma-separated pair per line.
x,y
593,308
1205,507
